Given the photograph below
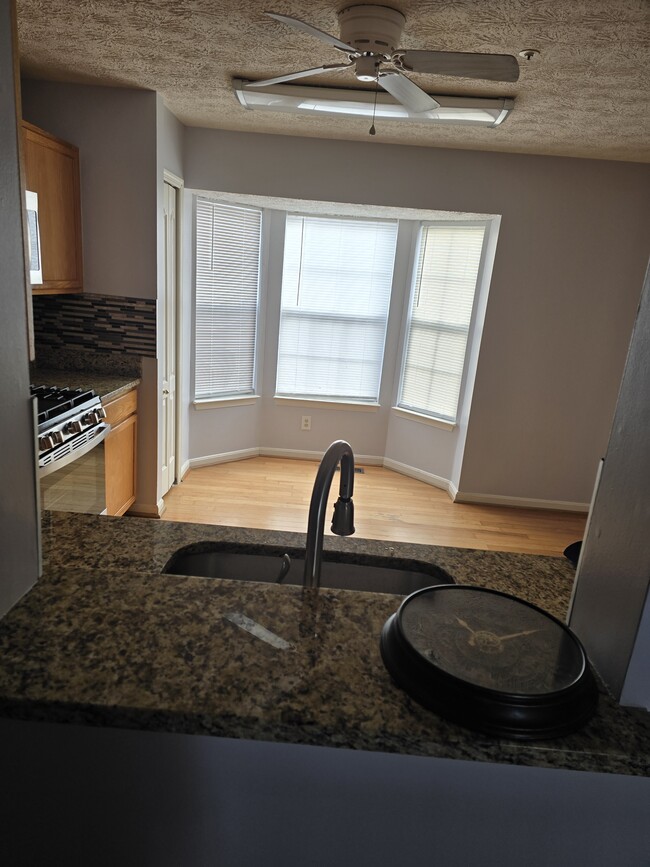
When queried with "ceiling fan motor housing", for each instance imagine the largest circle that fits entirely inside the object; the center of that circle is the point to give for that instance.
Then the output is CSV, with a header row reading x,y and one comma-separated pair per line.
x,y
372,29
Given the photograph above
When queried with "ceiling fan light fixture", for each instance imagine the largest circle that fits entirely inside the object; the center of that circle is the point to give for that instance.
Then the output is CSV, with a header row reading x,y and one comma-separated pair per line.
x,y
366,68
298,99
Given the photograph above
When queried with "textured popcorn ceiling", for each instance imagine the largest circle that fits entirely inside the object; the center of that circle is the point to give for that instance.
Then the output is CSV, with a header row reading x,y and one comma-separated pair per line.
x,y
588,95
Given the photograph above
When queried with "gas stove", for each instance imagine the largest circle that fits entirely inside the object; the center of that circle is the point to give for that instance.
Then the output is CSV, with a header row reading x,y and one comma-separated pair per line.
x,y
70,423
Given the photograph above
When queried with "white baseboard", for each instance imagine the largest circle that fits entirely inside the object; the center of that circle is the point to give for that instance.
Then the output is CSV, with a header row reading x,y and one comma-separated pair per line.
x,y
300,455
520,502
420,475
184,471
223,458
292,454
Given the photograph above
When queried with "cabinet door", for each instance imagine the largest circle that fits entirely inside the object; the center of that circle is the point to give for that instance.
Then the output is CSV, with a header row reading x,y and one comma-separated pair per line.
x,y
52,171
119,456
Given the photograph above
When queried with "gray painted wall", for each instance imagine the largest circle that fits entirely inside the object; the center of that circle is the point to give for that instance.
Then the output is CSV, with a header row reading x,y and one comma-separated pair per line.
x,y
18,504
81,796
565,286
613,575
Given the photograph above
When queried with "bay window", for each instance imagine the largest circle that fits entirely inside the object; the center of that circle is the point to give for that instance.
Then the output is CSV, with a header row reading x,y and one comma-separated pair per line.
x,y
336,287
440,309
330,284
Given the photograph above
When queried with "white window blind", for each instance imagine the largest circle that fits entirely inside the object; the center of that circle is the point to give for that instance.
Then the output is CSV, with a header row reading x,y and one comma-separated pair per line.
x,y
440,310
336,287
228,241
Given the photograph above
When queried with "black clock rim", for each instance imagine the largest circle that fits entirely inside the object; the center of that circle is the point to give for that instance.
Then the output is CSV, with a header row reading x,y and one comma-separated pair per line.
x,y
532,716
495,693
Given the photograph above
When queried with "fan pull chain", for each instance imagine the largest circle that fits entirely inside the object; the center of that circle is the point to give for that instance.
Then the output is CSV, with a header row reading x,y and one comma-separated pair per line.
x,y
372,129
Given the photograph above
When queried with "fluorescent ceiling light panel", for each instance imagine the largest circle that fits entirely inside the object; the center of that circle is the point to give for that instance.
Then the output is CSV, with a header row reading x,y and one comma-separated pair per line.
x,y
328,101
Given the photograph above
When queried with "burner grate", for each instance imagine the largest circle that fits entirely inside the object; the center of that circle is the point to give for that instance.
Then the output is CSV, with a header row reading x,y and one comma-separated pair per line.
x,y
53,402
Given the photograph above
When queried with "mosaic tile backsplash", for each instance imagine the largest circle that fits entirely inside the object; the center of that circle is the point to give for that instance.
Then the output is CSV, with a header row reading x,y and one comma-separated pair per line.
x,y
101,323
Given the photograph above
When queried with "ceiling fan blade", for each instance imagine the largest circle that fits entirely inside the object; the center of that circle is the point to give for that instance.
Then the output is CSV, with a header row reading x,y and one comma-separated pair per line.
x,y
495,67
406,92
304,74
312,31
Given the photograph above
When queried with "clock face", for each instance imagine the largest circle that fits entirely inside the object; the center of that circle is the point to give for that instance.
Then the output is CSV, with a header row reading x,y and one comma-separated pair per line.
x,y
491,640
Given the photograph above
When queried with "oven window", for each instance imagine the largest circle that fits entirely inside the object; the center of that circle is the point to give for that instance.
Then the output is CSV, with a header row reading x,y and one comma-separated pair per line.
x,y
77,487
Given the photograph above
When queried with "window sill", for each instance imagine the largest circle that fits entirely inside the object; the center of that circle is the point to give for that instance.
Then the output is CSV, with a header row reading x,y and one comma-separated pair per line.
x,y
423,419
219,402
351,406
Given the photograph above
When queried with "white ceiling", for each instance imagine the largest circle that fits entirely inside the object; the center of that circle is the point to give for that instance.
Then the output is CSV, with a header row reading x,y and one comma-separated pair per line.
x,y
587,95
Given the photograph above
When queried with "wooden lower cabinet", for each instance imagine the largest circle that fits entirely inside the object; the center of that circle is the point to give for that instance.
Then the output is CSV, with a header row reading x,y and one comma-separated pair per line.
x,y
120,453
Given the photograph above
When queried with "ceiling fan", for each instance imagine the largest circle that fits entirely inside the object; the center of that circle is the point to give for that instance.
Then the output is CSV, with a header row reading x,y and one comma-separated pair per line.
x,y
369,36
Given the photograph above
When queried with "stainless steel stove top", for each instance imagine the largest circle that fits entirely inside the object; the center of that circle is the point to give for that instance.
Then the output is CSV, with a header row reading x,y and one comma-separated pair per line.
x,y
70,422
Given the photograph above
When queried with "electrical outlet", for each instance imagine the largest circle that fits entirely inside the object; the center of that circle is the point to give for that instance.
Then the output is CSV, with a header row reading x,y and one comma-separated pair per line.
x,y
305,423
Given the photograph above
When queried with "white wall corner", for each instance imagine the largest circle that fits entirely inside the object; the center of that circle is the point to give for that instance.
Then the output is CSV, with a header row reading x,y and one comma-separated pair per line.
x,y
185,468
420,475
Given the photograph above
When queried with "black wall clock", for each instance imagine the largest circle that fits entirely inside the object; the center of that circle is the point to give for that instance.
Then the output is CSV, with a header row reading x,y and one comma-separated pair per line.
x,y
489,661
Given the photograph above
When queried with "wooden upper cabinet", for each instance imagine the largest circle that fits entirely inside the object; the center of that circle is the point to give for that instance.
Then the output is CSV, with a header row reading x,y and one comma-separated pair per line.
x,y
52,171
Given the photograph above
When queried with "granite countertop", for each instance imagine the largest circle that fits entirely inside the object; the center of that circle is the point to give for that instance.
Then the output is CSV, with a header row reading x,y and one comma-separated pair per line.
x,y
107,385
104,639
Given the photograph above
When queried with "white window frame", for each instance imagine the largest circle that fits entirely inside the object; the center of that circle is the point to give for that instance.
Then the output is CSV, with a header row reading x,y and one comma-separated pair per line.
x,y
479,303
331,401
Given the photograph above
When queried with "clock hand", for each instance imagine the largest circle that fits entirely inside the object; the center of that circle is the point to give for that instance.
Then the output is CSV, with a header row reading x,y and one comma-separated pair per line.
x,y
466,626
517,634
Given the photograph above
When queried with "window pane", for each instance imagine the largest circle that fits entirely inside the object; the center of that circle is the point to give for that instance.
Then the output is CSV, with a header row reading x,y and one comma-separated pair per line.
x,y
336,286
440,312
227,285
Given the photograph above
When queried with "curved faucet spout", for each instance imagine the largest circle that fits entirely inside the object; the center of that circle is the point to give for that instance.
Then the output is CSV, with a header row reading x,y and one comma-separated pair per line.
x,y
343,519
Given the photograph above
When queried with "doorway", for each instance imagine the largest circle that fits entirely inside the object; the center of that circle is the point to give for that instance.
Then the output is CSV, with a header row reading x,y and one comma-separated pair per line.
x,y
170,352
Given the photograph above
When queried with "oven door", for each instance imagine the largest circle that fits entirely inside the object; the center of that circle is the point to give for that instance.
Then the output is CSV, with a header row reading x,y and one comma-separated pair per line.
x,y
78,485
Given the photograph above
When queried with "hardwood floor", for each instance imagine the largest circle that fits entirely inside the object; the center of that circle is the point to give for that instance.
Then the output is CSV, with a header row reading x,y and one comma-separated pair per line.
x,y
274,494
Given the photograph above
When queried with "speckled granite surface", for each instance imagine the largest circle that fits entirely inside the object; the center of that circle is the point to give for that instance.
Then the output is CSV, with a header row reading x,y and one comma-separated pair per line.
x,y
107,385
105,639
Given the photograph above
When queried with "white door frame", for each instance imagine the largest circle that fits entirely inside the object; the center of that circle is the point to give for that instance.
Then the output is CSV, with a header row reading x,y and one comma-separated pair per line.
x,y
179,184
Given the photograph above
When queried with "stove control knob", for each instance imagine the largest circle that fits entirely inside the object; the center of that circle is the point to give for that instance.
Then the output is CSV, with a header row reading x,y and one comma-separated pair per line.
x,y
57,437
101,413
73,427
45,443
90,418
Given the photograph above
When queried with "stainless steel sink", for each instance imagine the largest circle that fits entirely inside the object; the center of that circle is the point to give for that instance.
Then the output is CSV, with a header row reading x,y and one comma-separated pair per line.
x,y
340,570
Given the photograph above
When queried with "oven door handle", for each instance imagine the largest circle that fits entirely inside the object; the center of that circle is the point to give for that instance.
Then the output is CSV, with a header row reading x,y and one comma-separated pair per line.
x,y
76,453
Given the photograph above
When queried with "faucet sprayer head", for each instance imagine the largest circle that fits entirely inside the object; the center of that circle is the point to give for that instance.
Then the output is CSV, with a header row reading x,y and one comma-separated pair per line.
x,y
343,517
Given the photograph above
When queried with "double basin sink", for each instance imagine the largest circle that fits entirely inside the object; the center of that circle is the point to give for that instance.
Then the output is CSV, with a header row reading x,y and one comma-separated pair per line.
x,y
339,570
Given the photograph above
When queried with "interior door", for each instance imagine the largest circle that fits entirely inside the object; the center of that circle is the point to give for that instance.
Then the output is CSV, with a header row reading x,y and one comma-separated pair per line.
x,y
169,350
